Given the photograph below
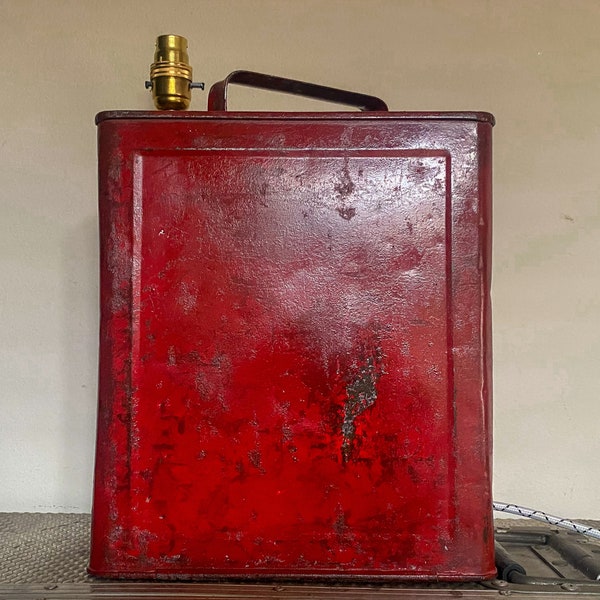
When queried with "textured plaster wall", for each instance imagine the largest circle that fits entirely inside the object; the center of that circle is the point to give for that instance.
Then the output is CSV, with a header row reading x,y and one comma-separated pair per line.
x,y
535,64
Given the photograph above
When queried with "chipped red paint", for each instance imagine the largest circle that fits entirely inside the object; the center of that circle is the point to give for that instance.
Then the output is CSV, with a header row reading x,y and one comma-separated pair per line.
x,y
295,361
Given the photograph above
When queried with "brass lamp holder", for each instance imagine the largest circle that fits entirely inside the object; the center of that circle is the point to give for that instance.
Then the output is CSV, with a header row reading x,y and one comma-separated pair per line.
x,y
171,74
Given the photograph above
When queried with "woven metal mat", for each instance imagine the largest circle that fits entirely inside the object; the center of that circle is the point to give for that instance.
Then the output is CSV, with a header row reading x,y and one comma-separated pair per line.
x,y
44,548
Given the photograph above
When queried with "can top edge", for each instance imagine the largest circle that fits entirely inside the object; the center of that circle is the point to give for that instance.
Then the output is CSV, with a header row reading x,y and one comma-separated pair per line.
x,y
483,117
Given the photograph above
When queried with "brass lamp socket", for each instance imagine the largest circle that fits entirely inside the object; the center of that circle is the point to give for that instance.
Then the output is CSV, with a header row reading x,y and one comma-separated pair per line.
x,y
171,74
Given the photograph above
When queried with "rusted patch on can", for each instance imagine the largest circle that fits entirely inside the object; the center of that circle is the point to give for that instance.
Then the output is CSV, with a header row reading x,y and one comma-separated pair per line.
x,y
361,391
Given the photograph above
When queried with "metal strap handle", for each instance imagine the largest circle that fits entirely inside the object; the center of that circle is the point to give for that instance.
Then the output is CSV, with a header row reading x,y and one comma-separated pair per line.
x,y
217,97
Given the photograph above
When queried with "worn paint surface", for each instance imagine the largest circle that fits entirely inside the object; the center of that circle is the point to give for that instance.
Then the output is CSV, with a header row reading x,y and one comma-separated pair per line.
x,y
294,350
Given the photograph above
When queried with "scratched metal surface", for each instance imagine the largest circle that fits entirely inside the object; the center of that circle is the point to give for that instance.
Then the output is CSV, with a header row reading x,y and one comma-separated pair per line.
x,y
45,556
54,548
295,367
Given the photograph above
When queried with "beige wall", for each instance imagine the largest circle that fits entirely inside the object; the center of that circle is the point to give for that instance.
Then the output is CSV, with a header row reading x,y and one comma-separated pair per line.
x,y
535,64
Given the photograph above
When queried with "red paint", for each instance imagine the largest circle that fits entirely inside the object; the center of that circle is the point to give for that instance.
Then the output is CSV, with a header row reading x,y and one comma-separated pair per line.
x,y
295,362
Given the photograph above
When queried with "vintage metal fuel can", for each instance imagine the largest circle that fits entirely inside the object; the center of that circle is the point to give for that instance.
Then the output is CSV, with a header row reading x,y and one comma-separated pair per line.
x,y
295,361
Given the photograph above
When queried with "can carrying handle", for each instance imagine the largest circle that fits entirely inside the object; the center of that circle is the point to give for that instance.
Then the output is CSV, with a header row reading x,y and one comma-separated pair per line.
x,y
217,97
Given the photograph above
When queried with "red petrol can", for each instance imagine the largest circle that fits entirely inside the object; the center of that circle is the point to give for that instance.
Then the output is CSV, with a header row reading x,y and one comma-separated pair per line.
x,y
295,362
